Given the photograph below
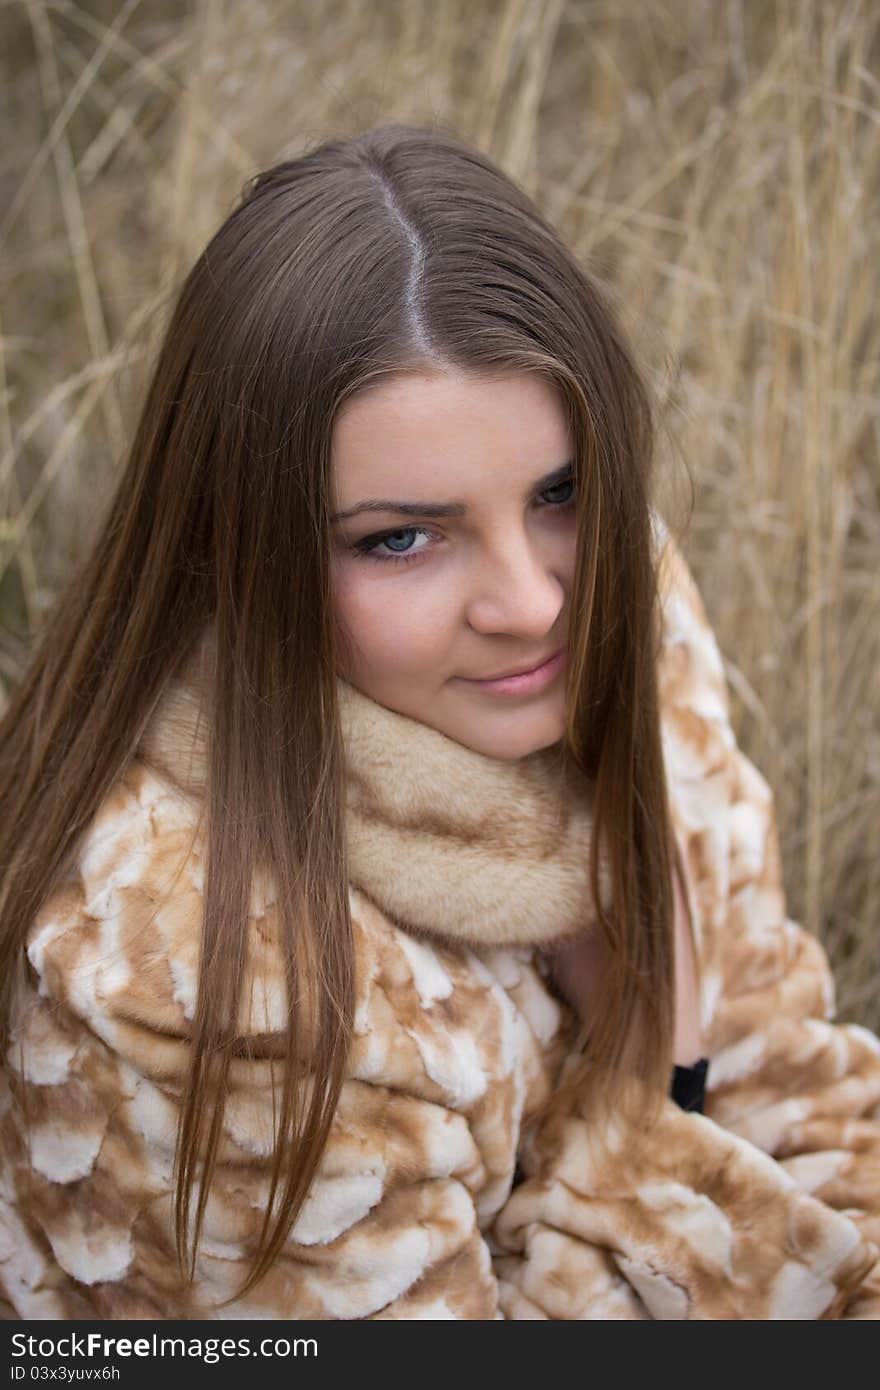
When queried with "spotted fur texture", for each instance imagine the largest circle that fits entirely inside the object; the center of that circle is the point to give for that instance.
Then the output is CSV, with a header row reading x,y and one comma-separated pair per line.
x,y
438,1197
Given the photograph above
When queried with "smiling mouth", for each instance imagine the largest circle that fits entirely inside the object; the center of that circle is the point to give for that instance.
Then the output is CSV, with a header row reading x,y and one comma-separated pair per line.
x,y
523,671
524,683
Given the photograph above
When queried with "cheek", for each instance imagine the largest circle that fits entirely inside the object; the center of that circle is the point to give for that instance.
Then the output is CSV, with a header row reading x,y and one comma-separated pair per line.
x,y
396,625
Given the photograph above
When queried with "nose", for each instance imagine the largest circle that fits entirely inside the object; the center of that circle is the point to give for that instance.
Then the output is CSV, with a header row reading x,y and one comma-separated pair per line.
x,y
519,589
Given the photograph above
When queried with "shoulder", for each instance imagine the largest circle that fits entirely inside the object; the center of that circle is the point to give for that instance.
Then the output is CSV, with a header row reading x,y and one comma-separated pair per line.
x,y
692,683
117,940
119,944
689,642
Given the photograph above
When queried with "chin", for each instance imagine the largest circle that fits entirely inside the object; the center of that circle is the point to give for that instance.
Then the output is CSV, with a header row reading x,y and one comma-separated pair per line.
x,y
509,742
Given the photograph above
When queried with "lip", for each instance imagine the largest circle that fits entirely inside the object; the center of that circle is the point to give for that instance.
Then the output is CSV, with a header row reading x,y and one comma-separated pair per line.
x,y
527,681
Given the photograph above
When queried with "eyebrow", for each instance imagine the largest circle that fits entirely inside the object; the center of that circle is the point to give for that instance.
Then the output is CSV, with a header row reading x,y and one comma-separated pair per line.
x,y
385,504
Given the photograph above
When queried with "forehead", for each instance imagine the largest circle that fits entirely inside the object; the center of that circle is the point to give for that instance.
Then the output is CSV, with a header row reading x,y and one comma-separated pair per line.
x,y
447,428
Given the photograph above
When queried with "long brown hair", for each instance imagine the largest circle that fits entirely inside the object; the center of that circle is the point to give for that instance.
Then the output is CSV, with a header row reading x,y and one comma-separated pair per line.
x,y
399,247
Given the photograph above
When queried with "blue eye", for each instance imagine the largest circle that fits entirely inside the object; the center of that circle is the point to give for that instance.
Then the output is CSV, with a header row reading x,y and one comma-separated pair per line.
x,y
368,547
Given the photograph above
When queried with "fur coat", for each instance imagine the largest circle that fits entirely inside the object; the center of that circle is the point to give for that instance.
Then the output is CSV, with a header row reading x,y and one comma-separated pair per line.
x,y
437,1196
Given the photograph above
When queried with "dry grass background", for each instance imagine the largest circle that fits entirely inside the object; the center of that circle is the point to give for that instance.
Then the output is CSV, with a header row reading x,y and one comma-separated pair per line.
x,y
717,162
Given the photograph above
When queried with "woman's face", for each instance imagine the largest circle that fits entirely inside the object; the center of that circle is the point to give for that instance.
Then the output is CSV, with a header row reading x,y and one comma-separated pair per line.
x,y
428,604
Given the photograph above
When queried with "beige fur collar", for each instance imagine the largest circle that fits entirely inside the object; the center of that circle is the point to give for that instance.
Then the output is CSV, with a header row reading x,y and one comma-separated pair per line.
x,y
449,841
444,840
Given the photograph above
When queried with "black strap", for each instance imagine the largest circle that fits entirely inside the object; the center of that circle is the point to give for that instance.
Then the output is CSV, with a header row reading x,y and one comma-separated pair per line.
x,y
689,1085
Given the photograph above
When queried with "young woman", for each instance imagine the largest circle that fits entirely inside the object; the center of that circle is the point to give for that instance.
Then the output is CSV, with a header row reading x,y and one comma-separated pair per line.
x,y
379,868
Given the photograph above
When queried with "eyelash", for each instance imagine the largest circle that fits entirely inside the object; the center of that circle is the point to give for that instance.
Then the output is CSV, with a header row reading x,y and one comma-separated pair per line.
x,y
367,546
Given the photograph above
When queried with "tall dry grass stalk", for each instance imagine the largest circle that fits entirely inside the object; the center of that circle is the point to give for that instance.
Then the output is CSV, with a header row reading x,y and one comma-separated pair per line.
x,y
718,164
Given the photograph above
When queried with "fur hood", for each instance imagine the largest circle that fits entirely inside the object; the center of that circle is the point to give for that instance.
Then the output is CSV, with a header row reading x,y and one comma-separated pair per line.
x,y
441,1193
